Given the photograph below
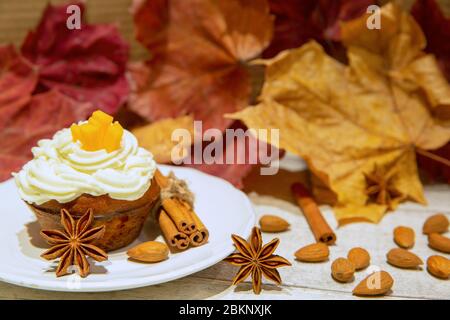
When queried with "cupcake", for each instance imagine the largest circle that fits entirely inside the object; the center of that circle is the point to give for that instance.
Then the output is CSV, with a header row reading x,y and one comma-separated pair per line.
x,y
97,165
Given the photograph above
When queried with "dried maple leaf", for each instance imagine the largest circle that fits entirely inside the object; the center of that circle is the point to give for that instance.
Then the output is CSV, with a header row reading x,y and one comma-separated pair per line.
x,y
157,138
18,79
233,172
256,260
44,114
298,21
239,156
199,50
345,120
87,64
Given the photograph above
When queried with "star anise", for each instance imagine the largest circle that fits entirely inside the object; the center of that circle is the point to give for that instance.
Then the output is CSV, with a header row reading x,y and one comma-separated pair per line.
x,y
74,243
380,187
256,260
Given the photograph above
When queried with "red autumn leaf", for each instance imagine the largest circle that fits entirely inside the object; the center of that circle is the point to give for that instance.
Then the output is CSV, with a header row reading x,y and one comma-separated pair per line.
x,y
298,21
245,152
436,27
40,118
293,25
199,50
18,78
233,173
87,64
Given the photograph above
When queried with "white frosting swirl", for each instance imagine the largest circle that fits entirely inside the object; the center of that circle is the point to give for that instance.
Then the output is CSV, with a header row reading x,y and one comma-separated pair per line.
x,y
62,171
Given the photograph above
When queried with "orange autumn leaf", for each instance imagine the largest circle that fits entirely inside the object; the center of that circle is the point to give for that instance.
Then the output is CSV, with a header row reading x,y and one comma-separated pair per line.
x,y
358,125
157,138
199,52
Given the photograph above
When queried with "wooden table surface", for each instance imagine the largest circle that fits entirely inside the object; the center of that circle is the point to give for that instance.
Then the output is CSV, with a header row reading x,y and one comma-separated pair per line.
x,y
302,280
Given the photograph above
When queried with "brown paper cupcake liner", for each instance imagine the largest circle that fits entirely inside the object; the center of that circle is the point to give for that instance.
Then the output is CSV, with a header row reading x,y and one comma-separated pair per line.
x,y
122,228
123,219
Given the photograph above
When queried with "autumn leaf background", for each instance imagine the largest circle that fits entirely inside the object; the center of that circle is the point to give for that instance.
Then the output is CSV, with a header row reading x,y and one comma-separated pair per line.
x,y
350,122
367,109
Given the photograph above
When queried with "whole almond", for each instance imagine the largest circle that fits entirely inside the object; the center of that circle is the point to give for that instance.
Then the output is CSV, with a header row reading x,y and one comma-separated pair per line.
x,y
359,257
150,251
315,252
270,223
436,224
342,270
439,242
403,258
378,283
404,237
439,266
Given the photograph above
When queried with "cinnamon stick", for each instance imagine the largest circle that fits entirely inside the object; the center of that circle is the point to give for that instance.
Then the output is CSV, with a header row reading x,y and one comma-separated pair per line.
x,y
174,237
179,215
201,235
319,226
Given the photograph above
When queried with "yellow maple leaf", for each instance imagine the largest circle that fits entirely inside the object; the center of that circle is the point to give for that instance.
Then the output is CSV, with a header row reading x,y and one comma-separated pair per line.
x,y
157,137
353,122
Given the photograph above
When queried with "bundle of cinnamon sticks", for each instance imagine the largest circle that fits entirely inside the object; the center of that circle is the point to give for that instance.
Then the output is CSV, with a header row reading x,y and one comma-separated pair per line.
x,y
179,223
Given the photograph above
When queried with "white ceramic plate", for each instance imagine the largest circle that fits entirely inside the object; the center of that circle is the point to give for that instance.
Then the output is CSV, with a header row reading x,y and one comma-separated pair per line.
x,y
223,209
